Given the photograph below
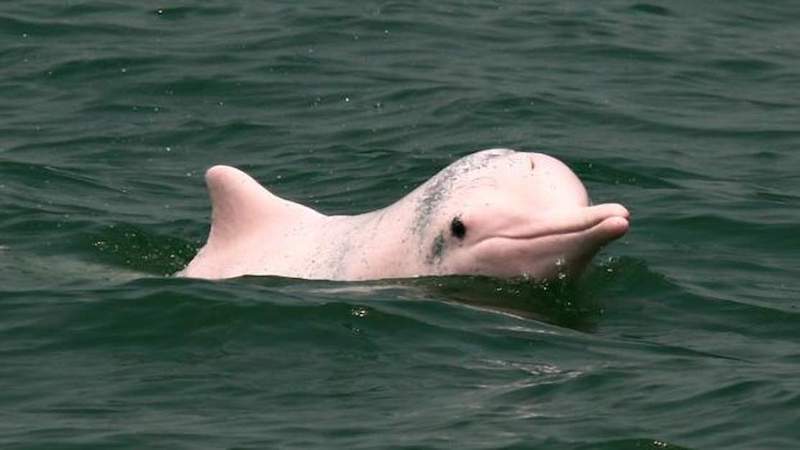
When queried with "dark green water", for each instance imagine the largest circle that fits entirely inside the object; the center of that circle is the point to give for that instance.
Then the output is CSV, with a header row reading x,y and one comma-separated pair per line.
x,y
685,334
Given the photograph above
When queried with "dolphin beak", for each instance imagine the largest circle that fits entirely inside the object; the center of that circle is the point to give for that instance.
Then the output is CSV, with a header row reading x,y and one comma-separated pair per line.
x,y
564,242
610,221
595,227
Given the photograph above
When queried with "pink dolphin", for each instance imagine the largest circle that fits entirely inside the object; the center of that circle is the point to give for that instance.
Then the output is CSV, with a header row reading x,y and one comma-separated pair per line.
x,y
496,212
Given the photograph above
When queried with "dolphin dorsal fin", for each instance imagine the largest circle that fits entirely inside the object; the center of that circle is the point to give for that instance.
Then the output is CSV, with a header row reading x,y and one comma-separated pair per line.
x,y
240,206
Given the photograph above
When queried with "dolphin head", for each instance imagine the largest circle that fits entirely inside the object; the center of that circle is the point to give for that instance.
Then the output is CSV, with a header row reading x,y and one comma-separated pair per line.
x,y
522,214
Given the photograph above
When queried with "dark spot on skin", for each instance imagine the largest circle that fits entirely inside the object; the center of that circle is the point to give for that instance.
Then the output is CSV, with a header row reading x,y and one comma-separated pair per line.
x,y
458,228
437,249
533,164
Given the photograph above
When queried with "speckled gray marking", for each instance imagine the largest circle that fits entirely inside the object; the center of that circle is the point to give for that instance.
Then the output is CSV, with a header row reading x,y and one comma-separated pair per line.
x,y
438,189
434,193
335,259
339,255
361,235
437,250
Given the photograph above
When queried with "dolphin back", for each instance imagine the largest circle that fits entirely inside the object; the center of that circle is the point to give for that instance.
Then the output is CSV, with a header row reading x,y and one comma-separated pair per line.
x,y
242,212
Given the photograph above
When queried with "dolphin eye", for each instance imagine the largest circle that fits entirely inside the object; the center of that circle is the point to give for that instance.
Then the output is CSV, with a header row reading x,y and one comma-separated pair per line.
x,y
457,228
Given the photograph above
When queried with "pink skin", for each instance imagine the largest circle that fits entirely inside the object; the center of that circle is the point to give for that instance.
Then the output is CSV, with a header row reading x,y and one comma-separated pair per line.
x,y
564,244
524,214
555,231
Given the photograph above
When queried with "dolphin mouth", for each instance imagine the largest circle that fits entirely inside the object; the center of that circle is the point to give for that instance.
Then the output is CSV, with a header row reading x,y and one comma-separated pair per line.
x,y
606,222
564,245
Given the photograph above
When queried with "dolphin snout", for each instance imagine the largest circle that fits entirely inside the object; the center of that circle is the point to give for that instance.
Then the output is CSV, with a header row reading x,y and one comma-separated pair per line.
x,y
611,220
615,209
